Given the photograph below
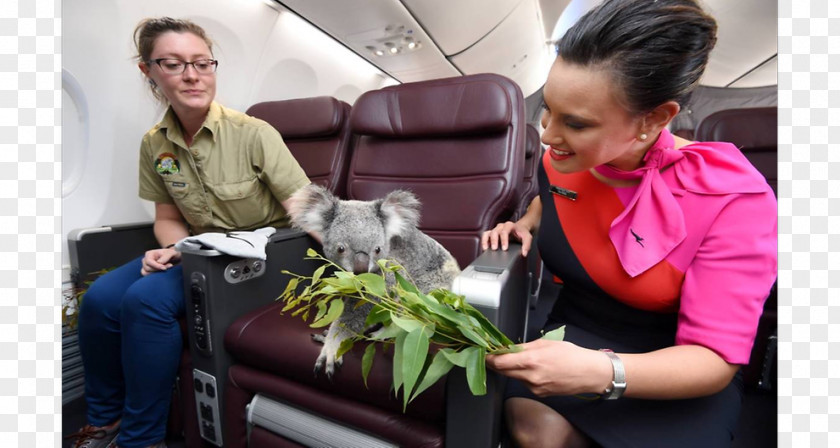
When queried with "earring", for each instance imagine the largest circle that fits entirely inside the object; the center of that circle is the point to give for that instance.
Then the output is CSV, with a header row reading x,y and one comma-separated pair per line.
x,y
643,137
152,83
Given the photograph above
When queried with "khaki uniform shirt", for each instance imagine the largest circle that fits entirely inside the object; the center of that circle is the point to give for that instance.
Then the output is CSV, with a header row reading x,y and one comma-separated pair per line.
x,y
232,177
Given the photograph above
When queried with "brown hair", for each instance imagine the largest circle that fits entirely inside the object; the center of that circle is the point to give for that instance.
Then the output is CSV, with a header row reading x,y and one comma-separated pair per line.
x,y
656,50
147,32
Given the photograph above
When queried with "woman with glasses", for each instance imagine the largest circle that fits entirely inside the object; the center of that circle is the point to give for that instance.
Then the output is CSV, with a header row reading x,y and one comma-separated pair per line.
x,y
207,168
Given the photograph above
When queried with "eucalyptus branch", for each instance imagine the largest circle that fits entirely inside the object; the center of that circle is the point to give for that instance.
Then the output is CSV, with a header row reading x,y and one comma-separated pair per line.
x,y
411,320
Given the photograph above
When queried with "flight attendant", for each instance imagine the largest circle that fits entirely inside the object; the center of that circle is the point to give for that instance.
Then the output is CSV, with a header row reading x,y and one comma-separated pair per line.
x,y
666,247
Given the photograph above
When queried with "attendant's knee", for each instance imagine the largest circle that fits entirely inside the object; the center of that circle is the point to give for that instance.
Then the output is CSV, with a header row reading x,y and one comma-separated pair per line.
x,y
533,424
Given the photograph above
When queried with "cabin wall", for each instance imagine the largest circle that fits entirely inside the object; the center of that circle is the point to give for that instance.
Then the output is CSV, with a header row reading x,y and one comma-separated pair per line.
x,y
265,53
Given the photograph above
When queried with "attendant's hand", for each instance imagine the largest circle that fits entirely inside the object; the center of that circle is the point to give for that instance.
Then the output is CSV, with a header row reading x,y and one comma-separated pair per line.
x,y
500,236
159,260
555,368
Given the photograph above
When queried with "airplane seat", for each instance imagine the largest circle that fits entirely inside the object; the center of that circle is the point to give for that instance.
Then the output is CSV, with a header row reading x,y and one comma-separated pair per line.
x,y
754,131
529,188
317,132
458,144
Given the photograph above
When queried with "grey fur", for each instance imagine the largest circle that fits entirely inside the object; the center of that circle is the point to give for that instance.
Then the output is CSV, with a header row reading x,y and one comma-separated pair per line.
x,y
359,228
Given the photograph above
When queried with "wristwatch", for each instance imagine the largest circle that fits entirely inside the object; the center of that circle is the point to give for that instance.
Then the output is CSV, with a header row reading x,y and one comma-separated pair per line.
x,y
619,383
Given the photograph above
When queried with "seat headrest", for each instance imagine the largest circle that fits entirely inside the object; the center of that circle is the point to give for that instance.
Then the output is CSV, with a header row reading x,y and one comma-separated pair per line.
x,y
532,141
430,109
751,129
320,116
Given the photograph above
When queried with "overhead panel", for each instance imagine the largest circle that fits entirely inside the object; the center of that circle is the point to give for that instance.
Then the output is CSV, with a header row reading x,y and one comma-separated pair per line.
x,y
381,31
456,25
763,75
747,35
516,48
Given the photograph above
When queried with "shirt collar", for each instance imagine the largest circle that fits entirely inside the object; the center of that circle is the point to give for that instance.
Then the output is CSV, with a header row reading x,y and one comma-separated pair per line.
x,y
211,122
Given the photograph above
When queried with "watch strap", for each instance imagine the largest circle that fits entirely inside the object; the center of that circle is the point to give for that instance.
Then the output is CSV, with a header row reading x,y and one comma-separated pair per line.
x,y
619,382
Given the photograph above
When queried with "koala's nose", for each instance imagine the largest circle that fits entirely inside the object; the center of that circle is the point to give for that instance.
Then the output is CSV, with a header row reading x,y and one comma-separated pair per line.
x,y
361,261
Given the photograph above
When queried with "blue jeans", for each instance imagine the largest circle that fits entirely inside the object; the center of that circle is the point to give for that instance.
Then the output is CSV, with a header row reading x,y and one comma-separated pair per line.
x,y
130,343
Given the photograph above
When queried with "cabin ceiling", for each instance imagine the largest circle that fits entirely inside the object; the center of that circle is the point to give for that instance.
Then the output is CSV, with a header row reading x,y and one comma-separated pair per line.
x,y
416,40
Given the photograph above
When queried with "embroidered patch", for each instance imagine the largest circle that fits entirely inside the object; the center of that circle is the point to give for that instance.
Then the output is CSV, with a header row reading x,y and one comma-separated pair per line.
x,y
167,163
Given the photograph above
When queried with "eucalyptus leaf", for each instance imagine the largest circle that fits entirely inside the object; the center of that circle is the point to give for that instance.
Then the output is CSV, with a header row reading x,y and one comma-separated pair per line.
x,y
387,332
457,358
399,341
473,336
555,335
405,284
378,314
405,323
321,310
345,346
318,273
335,310
415,349
373,283
439,367
476,374
367,361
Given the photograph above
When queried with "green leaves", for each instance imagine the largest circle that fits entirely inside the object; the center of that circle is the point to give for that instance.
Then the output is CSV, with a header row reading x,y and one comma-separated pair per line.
x,y
556,334
336,308
414,351
412,321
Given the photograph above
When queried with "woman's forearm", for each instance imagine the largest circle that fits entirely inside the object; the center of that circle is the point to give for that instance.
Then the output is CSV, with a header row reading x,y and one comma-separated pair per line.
x,y
683,371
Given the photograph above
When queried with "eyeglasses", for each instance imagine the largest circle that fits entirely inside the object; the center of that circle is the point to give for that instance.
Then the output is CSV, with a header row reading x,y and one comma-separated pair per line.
x,y
177,66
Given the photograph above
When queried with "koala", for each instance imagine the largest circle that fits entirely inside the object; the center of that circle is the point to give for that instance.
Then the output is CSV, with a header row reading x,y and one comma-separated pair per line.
x,y
355,234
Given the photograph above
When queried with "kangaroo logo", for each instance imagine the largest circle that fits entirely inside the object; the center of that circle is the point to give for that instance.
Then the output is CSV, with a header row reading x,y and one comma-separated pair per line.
x,y
638,238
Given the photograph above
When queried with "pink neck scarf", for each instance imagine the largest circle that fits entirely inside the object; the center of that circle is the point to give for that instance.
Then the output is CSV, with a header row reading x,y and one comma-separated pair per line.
x,y
653,224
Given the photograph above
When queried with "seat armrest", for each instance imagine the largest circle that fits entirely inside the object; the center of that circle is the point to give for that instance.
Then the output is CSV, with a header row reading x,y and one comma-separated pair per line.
x,y
496,284
219,288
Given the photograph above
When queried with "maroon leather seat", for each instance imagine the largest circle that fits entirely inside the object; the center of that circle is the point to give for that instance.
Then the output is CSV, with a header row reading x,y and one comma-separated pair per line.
x,y
317,132
458,144
533,156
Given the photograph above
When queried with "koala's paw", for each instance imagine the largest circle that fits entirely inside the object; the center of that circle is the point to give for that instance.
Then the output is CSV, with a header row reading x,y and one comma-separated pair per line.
x,y
319,338
328,361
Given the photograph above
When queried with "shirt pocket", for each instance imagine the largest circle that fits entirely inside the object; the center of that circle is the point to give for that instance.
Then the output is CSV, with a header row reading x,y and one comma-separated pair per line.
x,y
241,203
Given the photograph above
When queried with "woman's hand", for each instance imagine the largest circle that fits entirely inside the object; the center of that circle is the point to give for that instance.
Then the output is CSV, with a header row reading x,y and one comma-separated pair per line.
x,y
159,260
555,368
500,236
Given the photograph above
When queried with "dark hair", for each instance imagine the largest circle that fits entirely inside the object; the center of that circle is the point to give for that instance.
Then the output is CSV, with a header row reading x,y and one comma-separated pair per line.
x,y
148,30
656,50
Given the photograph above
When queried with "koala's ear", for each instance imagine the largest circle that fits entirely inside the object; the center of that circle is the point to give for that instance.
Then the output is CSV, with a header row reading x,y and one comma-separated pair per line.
x,y
401,212
312,208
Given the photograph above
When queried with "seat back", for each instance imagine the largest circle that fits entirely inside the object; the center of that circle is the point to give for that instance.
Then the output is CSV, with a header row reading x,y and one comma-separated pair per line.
x,y
457,143
529,187
753,130
317,132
